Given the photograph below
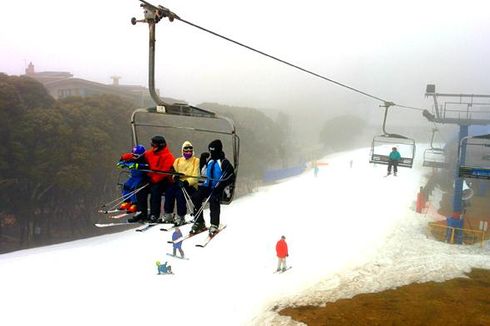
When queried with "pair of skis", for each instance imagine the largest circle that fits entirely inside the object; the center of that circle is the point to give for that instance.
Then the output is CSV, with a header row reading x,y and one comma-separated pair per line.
x,y
178,257
280,271
145,226
205,242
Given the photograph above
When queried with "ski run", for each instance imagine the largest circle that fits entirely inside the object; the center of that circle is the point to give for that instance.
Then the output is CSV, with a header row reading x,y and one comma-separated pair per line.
x,y
347,232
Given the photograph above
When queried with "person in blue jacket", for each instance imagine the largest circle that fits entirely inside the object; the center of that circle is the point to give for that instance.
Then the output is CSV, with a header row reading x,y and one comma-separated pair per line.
x,y
133,161
394,158
177,246
164,268
219,173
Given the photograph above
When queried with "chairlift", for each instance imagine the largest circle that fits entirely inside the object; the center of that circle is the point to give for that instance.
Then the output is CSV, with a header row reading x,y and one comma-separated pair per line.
x,y
382,145
435,157
158,119
473,153
180,116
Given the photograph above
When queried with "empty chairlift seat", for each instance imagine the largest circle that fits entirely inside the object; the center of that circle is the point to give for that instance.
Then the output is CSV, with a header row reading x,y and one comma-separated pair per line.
x,y
474,154
435,158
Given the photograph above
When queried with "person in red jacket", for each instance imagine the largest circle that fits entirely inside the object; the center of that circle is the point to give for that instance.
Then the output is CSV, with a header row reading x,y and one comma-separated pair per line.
x,y
282,253
159,158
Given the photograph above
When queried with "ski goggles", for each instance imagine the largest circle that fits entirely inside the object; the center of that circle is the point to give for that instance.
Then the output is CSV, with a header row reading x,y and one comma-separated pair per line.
x,y
187,149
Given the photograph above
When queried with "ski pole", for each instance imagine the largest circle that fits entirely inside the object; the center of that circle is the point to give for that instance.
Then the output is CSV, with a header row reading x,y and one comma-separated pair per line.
x,y
121,199
188,201
207,199
183,175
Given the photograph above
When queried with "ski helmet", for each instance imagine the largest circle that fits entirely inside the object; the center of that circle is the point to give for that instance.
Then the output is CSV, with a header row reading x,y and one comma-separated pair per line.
x,y
138,150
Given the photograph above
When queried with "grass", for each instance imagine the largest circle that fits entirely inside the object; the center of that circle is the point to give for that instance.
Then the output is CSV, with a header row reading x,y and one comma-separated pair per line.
x,y
460,301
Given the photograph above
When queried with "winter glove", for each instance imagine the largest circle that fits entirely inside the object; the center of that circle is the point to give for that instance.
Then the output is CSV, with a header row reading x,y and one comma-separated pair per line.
x,y
133,166
127,157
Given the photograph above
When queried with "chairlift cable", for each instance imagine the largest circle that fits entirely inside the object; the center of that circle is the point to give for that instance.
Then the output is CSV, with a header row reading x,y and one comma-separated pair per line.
x,y
409,107
291,64
165,12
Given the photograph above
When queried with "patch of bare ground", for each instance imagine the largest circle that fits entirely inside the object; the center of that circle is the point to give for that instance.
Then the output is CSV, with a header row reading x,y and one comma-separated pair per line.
x,y
460,301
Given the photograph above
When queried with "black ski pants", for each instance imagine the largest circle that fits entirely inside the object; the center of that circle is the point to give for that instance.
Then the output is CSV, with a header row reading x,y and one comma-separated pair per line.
x,y
175,193
393,163
199,197
155,190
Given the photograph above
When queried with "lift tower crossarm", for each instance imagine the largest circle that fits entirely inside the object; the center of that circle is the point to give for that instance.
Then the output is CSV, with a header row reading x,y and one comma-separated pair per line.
x,y
465,99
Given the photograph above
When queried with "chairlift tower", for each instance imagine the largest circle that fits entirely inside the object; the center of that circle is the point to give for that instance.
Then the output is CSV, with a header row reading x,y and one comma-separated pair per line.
x,y
464,110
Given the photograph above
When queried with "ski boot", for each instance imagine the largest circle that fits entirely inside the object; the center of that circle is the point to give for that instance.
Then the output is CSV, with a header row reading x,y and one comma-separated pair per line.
x,y
168,218
197,227
138,217
213,229
124,206
132,209
154,219
179,220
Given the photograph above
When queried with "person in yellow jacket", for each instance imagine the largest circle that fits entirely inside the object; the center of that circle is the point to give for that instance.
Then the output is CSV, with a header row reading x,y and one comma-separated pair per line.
x,y
188,165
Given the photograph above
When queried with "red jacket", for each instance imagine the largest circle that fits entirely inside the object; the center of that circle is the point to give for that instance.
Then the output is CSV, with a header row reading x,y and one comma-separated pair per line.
x,y
159,161
282,248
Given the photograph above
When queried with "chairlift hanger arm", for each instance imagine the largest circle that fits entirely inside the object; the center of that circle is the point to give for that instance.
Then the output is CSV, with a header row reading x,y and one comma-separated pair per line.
x,y
386,105
152,15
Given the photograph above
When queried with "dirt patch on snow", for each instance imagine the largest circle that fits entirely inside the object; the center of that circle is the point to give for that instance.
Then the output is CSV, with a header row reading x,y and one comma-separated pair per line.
x,y
460,301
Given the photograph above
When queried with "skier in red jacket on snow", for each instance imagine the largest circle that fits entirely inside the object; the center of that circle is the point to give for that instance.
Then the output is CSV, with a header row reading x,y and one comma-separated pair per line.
x,y
282,253
159,158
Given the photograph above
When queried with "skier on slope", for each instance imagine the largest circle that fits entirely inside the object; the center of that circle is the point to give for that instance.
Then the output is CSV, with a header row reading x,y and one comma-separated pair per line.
x,y
177,245
137,179
219,174
394,158
164,268
188,165
282,253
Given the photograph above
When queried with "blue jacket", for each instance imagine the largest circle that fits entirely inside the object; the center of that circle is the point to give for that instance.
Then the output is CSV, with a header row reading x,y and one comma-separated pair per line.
x,y
220,171
395,156
136,180
177,234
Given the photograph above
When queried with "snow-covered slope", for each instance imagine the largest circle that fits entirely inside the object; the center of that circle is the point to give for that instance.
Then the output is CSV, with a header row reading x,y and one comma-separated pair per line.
x,y
349,230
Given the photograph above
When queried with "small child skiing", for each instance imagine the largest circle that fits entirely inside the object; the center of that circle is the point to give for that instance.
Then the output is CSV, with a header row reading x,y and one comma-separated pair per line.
x,y
164,268
132,161
177,245
282,253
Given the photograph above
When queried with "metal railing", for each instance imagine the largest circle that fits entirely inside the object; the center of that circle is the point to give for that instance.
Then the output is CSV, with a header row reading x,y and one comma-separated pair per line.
x,y
454,235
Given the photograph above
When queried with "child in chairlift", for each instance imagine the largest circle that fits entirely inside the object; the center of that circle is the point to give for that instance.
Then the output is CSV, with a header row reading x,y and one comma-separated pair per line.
x,y
133,161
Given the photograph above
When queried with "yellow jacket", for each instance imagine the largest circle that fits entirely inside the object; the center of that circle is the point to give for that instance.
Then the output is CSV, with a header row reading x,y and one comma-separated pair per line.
x,y
188,167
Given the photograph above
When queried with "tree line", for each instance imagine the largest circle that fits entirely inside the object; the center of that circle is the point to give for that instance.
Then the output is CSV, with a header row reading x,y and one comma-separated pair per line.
x,y
57,159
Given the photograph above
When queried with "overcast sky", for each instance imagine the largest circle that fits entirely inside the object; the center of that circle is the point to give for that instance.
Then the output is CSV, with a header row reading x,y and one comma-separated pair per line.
x,y
390,49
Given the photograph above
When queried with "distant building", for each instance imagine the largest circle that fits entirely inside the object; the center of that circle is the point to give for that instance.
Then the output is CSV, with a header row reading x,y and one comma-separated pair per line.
x,y
61,84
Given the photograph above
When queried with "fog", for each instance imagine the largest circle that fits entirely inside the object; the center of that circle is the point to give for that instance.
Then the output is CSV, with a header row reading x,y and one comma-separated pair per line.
x,y
385,48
